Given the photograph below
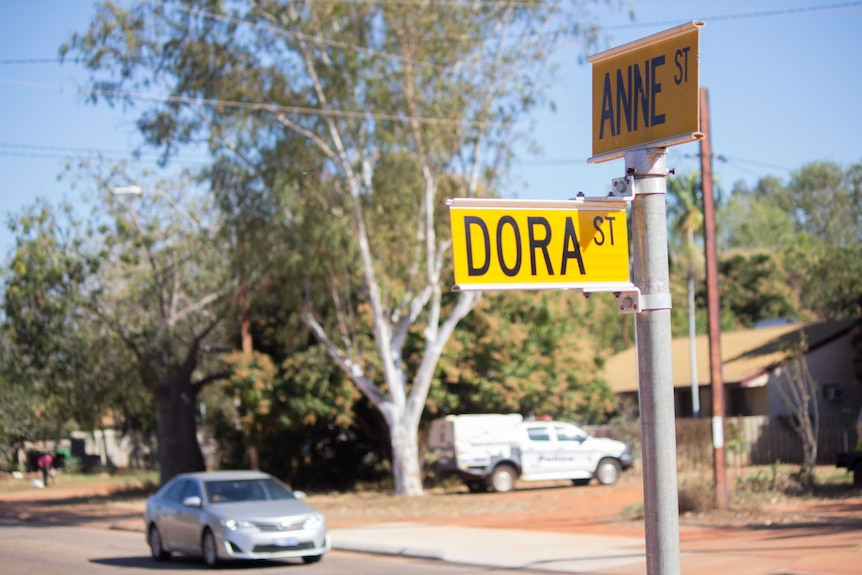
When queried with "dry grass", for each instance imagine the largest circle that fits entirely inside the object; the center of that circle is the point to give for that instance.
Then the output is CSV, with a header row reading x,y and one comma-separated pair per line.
x,y
128,481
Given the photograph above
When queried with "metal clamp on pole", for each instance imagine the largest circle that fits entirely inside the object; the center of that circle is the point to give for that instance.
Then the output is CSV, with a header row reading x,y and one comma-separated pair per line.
x,y
654,301
629,301
623,188
635,302
650,163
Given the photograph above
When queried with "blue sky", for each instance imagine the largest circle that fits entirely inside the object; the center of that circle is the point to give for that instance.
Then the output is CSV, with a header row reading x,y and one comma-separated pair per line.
x,y
784,81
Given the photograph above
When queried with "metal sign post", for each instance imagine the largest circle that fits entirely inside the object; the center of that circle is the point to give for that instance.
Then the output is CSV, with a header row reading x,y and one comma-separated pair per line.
x,y
648,170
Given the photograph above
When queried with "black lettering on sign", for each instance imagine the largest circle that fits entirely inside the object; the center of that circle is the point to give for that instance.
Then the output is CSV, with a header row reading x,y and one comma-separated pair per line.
x,y
600,239
571,248
681,61
509,271
483,249
472,269
540,244
632,98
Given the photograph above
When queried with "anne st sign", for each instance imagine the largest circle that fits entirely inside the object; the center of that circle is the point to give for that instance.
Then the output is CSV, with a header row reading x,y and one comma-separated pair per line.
x,y
645,93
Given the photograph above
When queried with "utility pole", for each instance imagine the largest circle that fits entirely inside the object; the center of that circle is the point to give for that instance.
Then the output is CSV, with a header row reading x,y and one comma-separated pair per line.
x,y
713,305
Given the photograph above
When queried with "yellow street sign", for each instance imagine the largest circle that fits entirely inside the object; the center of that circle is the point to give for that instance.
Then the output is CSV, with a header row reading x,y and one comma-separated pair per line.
x,y
645,93
525,244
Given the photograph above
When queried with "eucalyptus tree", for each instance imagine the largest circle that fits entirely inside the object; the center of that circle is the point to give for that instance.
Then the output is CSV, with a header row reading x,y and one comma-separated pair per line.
x,y
310,100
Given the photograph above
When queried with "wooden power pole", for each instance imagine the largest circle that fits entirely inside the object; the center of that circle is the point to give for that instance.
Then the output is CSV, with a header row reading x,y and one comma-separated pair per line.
x,y
713,305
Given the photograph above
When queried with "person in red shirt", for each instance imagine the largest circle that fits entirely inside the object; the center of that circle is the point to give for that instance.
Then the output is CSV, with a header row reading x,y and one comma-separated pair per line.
x,y
45,463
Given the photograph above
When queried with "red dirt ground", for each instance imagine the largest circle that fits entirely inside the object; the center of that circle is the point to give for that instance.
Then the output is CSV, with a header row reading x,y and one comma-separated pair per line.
x,y
550,506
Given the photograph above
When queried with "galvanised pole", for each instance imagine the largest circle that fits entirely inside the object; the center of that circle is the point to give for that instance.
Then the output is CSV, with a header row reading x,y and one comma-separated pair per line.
x,y
650,274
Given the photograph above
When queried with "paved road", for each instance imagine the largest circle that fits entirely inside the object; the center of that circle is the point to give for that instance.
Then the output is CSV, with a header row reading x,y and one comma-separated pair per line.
x,y
72,550
827,540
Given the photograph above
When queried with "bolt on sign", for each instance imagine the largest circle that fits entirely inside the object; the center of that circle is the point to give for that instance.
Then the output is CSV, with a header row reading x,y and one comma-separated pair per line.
x,y
535,244
645,93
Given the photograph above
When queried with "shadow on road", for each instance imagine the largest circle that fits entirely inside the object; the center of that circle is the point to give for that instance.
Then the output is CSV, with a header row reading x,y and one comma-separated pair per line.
x,y
183,563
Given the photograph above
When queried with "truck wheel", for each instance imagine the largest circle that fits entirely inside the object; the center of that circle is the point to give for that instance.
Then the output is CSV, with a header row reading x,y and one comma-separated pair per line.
x,y
608,471
857,476
477,486
503,478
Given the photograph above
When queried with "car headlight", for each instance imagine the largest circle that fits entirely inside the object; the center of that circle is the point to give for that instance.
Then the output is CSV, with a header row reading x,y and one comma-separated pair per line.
x,y
313,522
239,525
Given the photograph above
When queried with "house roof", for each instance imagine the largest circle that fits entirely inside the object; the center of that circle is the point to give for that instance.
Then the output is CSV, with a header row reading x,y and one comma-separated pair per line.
x,y
746,355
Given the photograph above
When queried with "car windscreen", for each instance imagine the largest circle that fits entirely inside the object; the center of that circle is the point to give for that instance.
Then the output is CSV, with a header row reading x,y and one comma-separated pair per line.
x,y
231,491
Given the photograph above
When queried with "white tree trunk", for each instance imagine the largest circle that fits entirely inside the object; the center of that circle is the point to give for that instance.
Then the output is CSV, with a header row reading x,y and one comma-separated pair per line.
x,y
406,469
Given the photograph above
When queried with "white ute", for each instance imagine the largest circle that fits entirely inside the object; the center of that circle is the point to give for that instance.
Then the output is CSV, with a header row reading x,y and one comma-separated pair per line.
x,y
494,450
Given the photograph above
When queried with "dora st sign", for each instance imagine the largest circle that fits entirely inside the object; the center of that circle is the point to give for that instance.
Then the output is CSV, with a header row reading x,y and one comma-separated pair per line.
x,y
535,244
645,93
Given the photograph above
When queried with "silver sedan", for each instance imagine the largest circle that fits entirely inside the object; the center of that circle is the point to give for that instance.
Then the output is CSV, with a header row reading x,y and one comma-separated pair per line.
x,y
233,515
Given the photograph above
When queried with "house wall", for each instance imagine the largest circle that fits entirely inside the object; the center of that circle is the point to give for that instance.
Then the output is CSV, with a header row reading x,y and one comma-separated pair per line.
x,y
839,395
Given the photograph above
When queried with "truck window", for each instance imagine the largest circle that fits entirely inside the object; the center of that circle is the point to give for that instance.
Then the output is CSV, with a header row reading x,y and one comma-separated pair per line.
x,y
538,433
567,433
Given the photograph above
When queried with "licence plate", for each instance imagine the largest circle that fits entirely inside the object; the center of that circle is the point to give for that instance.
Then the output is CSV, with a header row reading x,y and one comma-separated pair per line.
x,y
285,541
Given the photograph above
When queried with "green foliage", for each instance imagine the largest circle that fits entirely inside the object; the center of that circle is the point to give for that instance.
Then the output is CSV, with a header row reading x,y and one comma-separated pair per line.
x,y
797,244
50,335
753,287
748,222
834,283
525,353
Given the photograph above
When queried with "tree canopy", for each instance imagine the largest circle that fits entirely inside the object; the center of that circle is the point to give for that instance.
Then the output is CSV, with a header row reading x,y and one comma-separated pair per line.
x,y
339,128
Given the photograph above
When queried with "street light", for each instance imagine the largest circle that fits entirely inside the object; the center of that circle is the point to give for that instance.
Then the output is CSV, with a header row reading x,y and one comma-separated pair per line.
x,y
136,190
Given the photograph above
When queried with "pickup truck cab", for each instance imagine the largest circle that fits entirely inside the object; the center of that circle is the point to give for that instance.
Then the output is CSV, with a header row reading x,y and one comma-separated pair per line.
x,y
492,451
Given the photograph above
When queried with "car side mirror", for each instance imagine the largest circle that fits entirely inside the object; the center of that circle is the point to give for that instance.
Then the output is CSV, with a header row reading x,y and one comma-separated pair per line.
x,y
192,501
299,494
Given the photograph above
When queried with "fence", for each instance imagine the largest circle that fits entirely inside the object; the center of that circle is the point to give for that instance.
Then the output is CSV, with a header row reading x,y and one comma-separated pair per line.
x,y
754,440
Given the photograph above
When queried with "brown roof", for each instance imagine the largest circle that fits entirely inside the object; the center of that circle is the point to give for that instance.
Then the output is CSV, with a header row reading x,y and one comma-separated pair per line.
x,y
746,354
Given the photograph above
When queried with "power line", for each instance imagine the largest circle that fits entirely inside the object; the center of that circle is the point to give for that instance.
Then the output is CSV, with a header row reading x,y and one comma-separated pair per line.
x,y
735,159
265,107
741,15
348,46
7,61
63,152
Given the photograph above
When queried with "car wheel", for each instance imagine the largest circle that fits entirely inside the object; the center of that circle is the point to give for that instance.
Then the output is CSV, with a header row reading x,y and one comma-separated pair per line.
x,y
308,559
857,475
154,538
608,471
209,550
503,478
